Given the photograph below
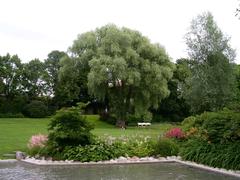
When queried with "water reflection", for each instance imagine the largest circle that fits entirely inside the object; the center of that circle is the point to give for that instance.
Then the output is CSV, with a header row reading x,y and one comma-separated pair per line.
x,y
163,171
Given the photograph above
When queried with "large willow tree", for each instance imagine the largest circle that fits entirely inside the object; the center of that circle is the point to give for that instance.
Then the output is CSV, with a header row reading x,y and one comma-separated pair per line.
x,y
124,69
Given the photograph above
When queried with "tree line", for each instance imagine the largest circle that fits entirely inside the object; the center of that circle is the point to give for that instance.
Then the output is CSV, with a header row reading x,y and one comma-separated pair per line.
x,y
126,77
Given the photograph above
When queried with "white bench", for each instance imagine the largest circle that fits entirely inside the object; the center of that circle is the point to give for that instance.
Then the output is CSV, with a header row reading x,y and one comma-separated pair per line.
x,y
143,124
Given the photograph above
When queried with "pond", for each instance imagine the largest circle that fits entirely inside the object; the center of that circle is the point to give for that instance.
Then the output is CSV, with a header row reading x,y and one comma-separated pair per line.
x,y
163,171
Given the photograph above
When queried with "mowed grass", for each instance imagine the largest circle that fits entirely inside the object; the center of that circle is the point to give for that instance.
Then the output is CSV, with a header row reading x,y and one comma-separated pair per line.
x,y
16,132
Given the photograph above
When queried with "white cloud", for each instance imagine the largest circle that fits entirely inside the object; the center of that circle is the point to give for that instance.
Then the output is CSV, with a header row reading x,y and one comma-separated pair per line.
x,y
32,29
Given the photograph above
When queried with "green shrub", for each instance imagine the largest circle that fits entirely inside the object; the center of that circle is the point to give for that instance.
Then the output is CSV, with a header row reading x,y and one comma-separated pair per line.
x,y
213,139
133,120
189,122
12,106
166,147
69,128
11,115
139,148
194,121
216,127
101,150
35,109
216,155
38,152
222,127
92,152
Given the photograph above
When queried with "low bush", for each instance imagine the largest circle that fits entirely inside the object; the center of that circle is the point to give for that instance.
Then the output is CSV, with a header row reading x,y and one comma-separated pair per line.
x,y
176,133
11,115
139,148
132,146
69,128
111,148
132,120
216,155
216,127
213,139
92,152
166,147
189,122
222,127
35,109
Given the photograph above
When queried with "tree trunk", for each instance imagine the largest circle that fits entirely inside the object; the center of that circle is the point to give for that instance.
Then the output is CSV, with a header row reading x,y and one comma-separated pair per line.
x,y
121,124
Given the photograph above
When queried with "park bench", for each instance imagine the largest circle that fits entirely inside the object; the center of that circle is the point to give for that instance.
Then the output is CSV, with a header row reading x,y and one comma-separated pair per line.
x,y
143,124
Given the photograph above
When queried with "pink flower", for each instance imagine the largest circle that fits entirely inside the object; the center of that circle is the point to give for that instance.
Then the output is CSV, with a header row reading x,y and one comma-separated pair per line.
x,y
175,133
37,141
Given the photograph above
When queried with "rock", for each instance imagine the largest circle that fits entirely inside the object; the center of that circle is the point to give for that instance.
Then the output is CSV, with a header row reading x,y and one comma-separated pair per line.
x,y
170,158
20,155
144,159
134,158
162,158
151,159
121,158
112,161
49,159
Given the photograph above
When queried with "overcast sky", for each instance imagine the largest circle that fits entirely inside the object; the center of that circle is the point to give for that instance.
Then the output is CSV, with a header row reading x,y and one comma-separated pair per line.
x,y
32,28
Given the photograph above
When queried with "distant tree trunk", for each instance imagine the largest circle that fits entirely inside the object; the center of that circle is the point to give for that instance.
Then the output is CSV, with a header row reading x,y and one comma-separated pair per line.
x,y
121,124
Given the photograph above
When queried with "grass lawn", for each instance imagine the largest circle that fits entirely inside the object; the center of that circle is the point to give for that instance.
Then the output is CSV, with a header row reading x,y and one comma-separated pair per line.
x,y
15,132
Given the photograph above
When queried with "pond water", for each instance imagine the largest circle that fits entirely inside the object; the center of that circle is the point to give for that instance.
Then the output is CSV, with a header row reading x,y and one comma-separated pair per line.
x,y
163,171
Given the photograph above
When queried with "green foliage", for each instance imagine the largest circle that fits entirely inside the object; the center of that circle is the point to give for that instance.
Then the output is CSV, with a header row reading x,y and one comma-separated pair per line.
x,y
10,75
93,152
10,115
211,85
191,121
174,108
32,79
205,38
35,109
107,117
133,120
101,150
119,67
140,147
21,83
216,127
69,128
38,152
73,79
215,155
222,127
213,139
51,79
166,147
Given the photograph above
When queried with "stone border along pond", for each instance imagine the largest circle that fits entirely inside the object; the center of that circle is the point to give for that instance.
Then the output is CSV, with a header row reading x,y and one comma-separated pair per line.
x,y
124,160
